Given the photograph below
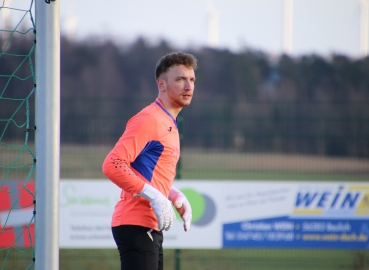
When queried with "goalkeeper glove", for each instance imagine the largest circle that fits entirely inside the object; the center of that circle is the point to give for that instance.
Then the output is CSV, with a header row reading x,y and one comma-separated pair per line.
x,y
182,206
161,206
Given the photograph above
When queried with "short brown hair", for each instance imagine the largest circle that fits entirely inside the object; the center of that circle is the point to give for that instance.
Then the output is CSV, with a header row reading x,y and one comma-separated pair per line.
x,y
172,59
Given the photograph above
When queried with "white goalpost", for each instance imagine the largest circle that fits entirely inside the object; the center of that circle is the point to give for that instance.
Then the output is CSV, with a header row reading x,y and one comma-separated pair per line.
x,y
47,134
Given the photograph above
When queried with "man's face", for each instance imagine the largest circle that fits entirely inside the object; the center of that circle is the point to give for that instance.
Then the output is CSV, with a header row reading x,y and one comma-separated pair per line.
x,y
180,84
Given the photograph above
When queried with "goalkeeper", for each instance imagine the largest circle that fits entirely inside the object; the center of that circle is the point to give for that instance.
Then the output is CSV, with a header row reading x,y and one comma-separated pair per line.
x,y
143,164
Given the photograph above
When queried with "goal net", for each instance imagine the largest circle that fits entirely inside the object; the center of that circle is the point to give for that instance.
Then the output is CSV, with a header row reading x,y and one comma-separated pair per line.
x,y
17,159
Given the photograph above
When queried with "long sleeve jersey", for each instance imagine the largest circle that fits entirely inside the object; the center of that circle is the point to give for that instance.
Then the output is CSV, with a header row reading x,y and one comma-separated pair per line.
x,y
147,152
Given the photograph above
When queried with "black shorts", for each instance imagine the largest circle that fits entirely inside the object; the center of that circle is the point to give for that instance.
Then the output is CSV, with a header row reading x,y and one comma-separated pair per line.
x,y
140,248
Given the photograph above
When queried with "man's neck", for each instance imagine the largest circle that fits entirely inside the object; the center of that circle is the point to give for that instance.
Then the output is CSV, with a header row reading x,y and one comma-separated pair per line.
x,y
173,111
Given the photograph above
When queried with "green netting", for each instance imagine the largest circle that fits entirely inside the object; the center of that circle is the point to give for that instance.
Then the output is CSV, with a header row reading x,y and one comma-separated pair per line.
x,y
17,160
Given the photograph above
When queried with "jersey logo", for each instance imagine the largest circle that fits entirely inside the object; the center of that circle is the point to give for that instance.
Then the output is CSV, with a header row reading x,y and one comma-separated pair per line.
x,y
170,129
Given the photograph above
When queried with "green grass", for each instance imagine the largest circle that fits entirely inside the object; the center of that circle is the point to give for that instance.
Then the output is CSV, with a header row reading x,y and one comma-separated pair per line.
x,y
220,174
224,259
85,162
270,259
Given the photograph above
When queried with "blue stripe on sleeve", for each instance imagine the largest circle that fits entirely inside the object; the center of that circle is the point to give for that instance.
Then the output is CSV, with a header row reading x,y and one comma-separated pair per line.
x,y
146,161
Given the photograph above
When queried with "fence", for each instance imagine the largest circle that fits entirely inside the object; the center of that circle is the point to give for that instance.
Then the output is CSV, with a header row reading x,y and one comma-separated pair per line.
x,y
303,127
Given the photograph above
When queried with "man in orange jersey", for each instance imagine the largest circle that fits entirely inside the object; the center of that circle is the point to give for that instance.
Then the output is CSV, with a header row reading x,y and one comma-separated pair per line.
x,y
143,164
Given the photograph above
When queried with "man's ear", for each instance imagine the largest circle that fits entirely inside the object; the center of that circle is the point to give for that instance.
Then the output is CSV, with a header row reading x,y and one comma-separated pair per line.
x,y
162,84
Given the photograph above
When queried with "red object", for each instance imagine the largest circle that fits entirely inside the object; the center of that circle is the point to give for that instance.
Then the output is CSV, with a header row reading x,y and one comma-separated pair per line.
x,y
26,199
7,237
5,203
7,234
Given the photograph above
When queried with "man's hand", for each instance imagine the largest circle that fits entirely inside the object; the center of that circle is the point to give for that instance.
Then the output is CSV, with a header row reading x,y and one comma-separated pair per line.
x,y
182,206
161,205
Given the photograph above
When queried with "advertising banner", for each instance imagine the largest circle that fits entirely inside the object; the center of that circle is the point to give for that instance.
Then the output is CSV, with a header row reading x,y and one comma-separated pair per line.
x,y
232,214
296,215
226,214
86,207
205,198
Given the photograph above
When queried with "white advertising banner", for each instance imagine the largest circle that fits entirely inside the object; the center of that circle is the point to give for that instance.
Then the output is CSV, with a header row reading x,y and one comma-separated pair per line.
x,y
206,228
231,214
86,207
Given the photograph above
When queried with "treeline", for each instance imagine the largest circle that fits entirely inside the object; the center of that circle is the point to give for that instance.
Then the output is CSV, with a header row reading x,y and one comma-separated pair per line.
x,y
245,101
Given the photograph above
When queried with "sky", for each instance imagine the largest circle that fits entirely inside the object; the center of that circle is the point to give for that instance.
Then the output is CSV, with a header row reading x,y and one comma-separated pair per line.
x,y
318,26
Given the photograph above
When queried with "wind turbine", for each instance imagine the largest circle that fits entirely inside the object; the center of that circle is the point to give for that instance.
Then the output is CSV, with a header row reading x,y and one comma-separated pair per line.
x,y
213,24
287,26
70,26
364,15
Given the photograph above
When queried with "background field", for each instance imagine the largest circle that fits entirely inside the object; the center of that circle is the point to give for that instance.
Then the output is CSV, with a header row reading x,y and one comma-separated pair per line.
x,y
226,259
85,162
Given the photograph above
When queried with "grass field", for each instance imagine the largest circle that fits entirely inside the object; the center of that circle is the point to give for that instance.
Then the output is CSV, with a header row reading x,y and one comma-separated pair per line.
x,y
78,161
85,162
223,259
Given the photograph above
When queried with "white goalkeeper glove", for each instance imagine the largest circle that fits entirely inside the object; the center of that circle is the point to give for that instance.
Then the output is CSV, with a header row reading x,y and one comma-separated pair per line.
x,y
161,205
182,205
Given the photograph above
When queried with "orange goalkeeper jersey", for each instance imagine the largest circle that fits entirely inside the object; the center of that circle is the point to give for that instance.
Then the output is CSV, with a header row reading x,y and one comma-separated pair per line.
x,y
147,152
